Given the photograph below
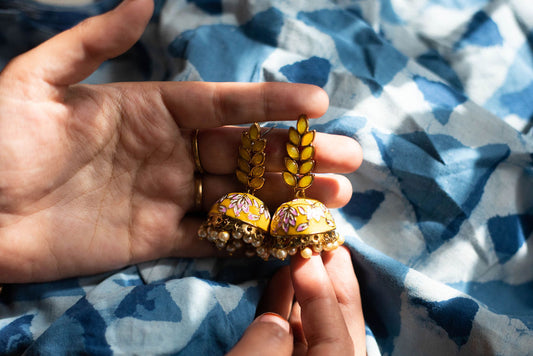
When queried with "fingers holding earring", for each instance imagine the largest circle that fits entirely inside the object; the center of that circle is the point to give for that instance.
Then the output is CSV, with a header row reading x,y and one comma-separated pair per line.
x,y
240,219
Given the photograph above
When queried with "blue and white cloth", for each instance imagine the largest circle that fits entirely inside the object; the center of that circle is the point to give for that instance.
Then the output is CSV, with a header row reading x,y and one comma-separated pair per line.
x,y
438,93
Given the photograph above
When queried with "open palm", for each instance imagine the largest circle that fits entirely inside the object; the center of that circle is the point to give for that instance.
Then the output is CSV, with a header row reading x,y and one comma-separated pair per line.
x,y
93,178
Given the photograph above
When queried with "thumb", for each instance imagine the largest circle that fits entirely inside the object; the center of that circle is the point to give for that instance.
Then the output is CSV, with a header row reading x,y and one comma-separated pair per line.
x,y
269,334
73,55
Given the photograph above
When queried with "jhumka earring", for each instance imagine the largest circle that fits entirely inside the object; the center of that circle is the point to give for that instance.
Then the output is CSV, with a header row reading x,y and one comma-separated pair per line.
x,y
301,225
241,220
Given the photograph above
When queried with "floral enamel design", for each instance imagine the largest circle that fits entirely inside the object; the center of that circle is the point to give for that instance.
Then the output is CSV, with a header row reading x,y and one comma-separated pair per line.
x,y
287,218
239,203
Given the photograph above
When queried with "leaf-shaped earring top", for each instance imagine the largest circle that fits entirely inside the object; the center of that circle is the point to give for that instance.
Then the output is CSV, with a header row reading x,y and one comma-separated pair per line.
x,y
250,164
300,163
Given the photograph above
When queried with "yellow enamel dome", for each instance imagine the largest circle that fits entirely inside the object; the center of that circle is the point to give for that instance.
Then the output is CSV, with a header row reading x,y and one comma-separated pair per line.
x,y
244,207
235,221
304,225
301,217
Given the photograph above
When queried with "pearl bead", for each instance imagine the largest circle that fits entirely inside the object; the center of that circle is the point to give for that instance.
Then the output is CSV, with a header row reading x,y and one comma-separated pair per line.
x,y
281,254
292,251
223,236
202,233
247,239
317,248
306,252
237,235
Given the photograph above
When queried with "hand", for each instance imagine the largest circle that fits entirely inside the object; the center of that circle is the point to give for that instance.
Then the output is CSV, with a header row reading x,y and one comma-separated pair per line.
x,y
326,319
96,177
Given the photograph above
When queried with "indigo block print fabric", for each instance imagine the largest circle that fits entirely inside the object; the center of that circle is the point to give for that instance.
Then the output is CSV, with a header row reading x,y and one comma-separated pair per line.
x,y
438,93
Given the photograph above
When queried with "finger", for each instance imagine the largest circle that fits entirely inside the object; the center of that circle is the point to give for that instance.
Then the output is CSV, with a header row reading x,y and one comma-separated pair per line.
x,y
333,190
278,295
340,270
186,242
183,241
295,321
74,54
323,322
206,105
333,153
268,334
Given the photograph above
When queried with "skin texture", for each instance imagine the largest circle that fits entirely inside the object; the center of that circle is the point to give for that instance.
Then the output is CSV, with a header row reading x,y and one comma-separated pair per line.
x,y
97,177
312,307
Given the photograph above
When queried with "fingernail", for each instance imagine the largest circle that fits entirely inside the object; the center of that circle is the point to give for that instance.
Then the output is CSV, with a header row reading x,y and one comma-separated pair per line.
x,y
275,319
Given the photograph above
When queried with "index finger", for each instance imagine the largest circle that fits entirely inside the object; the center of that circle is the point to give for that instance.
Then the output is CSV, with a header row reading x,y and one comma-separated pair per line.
x,y
341,272
323,323
201,105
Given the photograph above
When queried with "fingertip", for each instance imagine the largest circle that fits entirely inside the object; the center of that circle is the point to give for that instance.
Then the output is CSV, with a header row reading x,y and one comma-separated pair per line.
x,y
343,251
307,273
339,266
274,319
141,8
340,261
355,152
279,294
124,25
269,331
288,100
319,99
337,153
345,191
334,190
73,55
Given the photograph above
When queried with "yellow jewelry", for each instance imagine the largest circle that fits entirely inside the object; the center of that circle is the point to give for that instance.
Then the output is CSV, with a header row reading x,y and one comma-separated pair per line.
x,y
241,220
301,225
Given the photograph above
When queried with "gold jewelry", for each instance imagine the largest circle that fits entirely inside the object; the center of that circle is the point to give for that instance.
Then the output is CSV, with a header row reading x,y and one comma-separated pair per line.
x,y
196,153
241,220
198,193
302,224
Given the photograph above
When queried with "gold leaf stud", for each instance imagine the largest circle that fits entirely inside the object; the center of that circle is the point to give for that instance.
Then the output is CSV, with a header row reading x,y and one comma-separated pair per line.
x,y
305,181
302,125
308,138
289,179
293,151
294,136
307,153
291,165
307,166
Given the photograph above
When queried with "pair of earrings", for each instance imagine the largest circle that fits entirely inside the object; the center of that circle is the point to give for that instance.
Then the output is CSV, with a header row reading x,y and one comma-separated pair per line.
x,y
241,221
